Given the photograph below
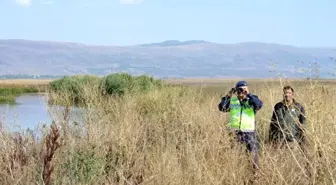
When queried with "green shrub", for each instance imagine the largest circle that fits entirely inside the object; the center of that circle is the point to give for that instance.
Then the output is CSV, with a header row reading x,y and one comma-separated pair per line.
x,y
122,83
9,94
17,90
7,99
144,83
117,84
74,86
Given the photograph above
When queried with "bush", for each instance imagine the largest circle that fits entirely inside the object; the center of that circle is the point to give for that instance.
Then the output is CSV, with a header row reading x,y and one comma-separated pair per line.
x,y
17,90
9,94
74,86
80,89
122,83
7,99
118,83
144,83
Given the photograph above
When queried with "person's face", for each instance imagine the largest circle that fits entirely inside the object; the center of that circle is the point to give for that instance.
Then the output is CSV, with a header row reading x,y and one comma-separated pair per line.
x,y
288,95
241,92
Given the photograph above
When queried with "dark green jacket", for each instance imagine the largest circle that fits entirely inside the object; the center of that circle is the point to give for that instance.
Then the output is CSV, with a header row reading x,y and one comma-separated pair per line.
x,y
287,123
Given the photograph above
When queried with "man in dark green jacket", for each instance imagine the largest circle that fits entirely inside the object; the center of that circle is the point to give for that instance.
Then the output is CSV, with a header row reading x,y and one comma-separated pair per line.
x,y
288,121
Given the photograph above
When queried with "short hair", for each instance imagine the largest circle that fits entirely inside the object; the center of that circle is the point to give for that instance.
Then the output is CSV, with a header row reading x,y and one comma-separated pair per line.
x,y
288,87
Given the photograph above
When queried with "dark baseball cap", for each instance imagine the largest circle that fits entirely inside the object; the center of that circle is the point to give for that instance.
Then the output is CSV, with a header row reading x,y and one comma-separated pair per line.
x,y
241,83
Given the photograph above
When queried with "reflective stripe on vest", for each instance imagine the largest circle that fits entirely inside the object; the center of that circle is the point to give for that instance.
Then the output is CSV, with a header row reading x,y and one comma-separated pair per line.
x,y
241,118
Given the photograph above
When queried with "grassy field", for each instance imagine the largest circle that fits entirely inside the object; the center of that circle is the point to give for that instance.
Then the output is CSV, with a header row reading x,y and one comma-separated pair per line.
x,y
172,135
24,82
11,88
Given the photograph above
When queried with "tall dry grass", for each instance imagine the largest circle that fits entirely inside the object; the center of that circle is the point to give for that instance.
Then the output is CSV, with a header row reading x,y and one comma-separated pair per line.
x,y
173,135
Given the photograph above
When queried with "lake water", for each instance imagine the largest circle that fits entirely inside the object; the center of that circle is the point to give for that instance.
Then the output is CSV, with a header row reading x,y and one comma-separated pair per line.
x,y
31,111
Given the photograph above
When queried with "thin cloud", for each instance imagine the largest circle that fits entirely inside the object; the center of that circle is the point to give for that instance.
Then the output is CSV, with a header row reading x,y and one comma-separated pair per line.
x,y
25,3
131,1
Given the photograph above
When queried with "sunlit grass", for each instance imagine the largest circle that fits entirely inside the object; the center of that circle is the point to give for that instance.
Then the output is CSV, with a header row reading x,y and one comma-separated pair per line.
x,y
173,135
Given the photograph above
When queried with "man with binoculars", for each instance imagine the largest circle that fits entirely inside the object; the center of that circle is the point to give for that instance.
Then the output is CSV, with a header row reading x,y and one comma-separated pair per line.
x,y
242,109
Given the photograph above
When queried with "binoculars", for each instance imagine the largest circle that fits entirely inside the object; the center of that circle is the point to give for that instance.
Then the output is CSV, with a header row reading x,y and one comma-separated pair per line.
x,y
238,90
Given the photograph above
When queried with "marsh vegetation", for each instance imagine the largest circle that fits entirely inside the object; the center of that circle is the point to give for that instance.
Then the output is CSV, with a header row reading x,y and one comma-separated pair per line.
x,y
146,131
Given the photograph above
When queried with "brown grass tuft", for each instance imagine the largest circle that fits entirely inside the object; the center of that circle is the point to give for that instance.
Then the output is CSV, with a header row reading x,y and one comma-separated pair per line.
x,y
52,143
18,158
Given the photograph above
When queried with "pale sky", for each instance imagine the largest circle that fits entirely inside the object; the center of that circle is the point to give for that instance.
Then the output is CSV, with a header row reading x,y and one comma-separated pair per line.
x,y
127,22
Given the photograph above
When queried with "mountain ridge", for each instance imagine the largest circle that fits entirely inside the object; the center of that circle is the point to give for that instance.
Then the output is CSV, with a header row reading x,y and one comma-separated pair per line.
x,y
170,58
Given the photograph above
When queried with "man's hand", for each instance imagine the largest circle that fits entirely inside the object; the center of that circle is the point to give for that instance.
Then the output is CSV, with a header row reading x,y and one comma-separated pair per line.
x,y
231,92
246,91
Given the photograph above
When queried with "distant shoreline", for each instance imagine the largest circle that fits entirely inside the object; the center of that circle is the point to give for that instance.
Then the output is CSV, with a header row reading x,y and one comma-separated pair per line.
x,y
187,81
25,81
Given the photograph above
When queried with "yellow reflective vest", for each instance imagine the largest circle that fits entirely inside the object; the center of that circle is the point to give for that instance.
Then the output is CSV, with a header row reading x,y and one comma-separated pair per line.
x,y
242,116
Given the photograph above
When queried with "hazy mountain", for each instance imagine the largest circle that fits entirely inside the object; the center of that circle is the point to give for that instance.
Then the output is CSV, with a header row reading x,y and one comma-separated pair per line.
x,y
195,58
176,43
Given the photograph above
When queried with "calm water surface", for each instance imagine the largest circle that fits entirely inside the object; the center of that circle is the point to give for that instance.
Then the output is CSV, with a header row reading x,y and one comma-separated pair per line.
x,y
32,111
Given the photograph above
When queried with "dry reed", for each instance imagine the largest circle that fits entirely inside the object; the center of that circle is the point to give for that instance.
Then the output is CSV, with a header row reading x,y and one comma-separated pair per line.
x,y
177,136
52,143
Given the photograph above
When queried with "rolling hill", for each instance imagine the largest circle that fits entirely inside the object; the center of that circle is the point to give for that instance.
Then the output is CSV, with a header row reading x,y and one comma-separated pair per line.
x,y
168,59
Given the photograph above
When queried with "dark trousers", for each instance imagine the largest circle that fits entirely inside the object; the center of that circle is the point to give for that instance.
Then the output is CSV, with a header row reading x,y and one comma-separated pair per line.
x,y
250,140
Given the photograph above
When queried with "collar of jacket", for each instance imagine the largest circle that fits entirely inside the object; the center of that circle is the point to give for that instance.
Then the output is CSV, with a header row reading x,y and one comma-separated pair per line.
x,y
294,104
